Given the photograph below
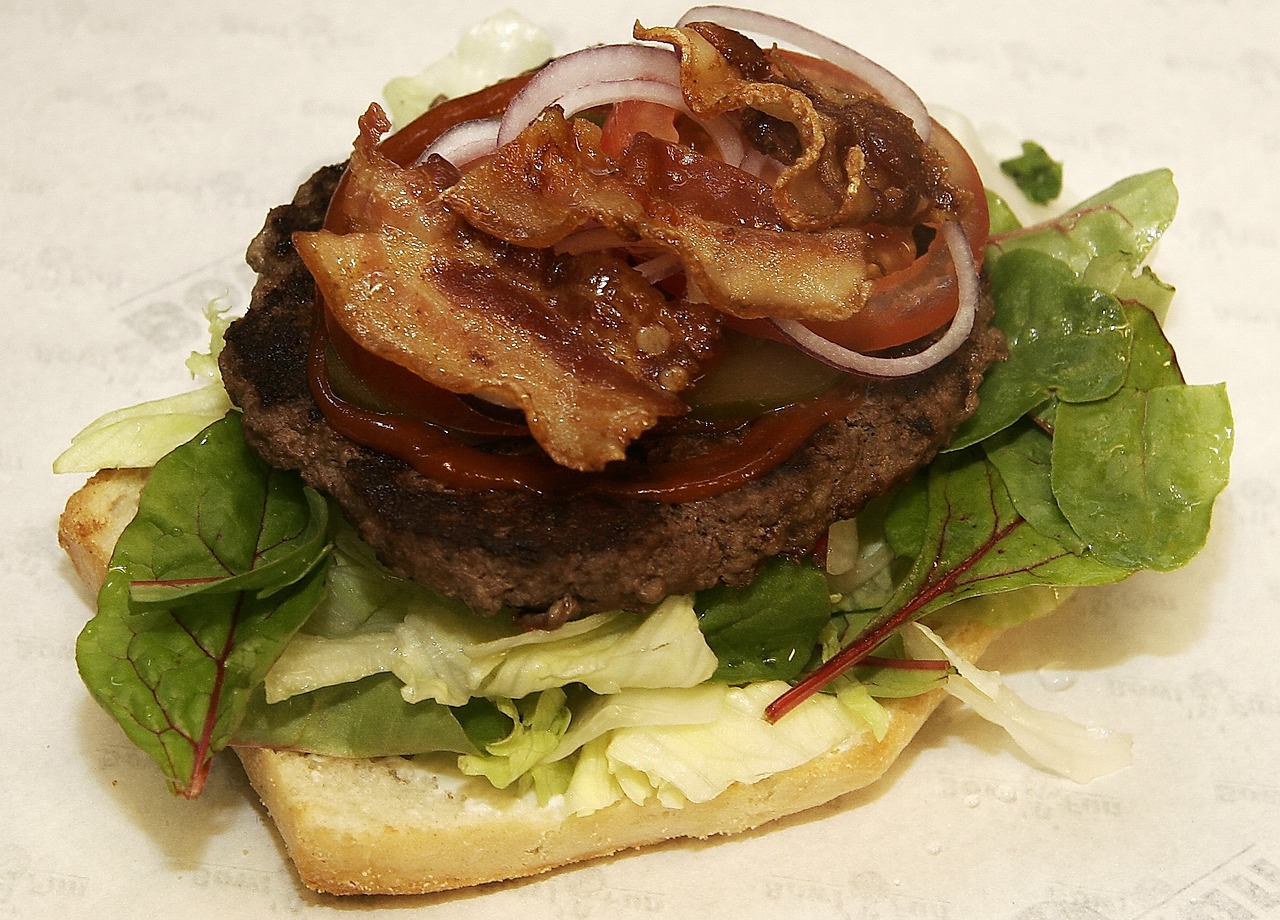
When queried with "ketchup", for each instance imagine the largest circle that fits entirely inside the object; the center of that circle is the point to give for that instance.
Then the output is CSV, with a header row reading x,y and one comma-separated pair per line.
x,y
435,453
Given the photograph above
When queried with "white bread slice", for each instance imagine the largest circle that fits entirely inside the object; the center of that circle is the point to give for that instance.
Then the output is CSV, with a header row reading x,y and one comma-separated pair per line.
x,y
399,826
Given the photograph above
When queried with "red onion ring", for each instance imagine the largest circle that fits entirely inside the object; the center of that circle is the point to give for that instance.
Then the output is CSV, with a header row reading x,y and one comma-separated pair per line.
x,y
897,93
464,142
761,165
573,71
961,324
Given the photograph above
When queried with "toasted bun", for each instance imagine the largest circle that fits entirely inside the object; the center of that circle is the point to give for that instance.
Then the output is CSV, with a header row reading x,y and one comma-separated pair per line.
x,y
399,826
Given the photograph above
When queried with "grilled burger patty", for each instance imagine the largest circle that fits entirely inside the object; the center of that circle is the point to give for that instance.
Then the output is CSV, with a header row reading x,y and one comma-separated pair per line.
x,y
582,552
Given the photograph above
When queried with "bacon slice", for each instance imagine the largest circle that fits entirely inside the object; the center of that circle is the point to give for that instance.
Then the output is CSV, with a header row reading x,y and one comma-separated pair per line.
x,y
462,279
850,158
553,179
591,353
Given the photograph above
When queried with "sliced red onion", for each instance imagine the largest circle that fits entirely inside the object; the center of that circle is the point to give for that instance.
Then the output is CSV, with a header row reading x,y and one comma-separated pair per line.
x,y
961,324
660,267
897,93
762,166
464,142
599,64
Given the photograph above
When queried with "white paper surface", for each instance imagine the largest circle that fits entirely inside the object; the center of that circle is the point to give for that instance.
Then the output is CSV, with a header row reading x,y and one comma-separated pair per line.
x,y
144,143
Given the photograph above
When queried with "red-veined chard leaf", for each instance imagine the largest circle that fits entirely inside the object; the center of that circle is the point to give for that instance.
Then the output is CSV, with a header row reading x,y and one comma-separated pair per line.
x,y
972,542
177,674
1105,238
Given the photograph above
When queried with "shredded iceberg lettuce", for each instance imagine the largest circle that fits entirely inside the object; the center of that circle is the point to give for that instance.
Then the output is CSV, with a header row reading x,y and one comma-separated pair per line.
x,y
521,759
504,44
695,763
138,436
664,648
698,705
855,696
682,746
1077,752
450,657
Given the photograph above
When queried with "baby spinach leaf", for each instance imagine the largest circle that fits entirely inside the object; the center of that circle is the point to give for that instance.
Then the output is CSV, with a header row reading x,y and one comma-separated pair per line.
x,y
1038,175
1152,362
766,630
1137,473
1023,456
1066,339
1147,289
366,718
177,674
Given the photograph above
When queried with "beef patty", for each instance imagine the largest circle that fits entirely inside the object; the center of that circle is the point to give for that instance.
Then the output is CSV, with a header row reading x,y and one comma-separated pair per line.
x,y
587,552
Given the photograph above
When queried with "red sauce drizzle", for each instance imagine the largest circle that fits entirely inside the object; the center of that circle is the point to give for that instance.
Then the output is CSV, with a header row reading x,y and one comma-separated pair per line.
x,y
436,454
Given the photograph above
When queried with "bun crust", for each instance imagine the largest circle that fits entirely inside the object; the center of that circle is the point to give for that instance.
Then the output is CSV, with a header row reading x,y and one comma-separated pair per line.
x,y
398,826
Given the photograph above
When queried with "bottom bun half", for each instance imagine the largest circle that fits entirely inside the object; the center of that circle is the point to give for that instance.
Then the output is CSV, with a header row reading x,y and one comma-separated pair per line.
x,y
395,825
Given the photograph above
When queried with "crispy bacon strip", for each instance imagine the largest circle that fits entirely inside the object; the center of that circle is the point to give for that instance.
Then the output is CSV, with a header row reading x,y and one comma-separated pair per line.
x,y
850,158
553,179
589,351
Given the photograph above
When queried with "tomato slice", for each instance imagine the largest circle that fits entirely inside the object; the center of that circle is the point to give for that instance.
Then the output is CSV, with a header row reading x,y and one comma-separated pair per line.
x,y
632,117
921,298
